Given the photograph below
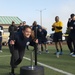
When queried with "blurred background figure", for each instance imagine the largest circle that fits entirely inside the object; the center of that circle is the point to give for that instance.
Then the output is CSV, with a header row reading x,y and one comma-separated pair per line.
x,y
69,41
12,29
1,31
71,37
24,23
37,30
44,40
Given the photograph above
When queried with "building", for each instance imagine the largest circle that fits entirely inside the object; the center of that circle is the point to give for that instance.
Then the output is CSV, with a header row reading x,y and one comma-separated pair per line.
x,y
6,21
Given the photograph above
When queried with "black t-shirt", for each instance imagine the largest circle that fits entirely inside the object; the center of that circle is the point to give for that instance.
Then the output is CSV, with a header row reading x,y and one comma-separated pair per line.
x,y
20,28
20,41
43,34
37,31
12,29
72,24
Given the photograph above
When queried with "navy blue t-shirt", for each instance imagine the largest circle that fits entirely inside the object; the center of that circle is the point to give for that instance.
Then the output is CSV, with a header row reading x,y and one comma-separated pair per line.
x,y
20,41
72,24
36,30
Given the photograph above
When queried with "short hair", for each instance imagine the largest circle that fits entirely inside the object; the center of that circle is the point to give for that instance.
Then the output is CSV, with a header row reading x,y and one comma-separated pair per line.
x,y
57,16
13,22
25,27
72,15
24,21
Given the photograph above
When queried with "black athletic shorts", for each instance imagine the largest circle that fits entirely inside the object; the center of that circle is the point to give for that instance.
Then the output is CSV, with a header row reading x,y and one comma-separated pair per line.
x,y
71,37
42,41
57,36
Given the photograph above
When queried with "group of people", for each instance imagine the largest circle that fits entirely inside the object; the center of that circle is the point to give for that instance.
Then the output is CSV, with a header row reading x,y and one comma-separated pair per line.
x,y
57,37
22,36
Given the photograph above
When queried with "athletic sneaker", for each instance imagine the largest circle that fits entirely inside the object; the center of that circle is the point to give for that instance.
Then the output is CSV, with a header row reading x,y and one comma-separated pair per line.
x,y
60,53
57,54
39,52
0,50
47,51
73,55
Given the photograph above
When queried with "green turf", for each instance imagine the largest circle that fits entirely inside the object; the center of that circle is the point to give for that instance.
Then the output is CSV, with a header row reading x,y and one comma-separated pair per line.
x,y
65,62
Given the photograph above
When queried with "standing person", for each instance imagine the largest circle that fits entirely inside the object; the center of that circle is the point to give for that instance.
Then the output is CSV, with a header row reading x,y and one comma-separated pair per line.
x,y
37,31
12,28
44,40
69,41
57,27
20,41
24,23
19,27
1,31
71,37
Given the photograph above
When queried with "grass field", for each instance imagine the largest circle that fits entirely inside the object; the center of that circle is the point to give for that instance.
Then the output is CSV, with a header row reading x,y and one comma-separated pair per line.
x,y
65,64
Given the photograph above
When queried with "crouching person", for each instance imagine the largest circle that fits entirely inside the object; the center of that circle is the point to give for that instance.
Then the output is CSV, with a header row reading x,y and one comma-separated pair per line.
x,y
17,46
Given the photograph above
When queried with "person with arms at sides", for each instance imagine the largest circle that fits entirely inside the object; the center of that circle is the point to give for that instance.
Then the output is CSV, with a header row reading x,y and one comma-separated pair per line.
x,y
12,28
57,38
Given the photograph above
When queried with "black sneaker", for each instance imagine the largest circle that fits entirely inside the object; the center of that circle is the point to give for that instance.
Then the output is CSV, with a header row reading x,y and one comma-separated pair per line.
x,y
47,51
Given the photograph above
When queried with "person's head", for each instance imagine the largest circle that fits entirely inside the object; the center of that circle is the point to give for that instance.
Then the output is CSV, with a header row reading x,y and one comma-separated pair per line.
x,y
34,23
13,23
57,18
26,31
24,23
72,15
21,24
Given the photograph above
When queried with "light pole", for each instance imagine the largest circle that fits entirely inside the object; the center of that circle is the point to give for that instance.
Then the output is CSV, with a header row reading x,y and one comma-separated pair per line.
x,y
41,15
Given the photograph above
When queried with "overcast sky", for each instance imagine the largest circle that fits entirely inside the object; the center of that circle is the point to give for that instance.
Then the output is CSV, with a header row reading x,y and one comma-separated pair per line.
x,y
29,10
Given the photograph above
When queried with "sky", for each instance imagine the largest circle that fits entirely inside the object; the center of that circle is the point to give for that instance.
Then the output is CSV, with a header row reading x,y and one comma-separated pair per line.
x,y
29,11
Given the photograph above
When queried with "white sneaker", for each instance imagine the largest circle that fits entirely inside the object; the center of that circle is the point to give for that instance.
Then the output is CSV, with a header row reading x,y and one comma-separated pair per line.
x,y
57,54
0,50
39,52
73,55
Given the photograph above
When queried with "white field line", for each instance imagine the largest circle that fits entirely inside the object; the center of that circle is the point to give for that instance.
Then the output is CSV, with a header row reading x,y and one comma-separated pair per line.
x,y
50,67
